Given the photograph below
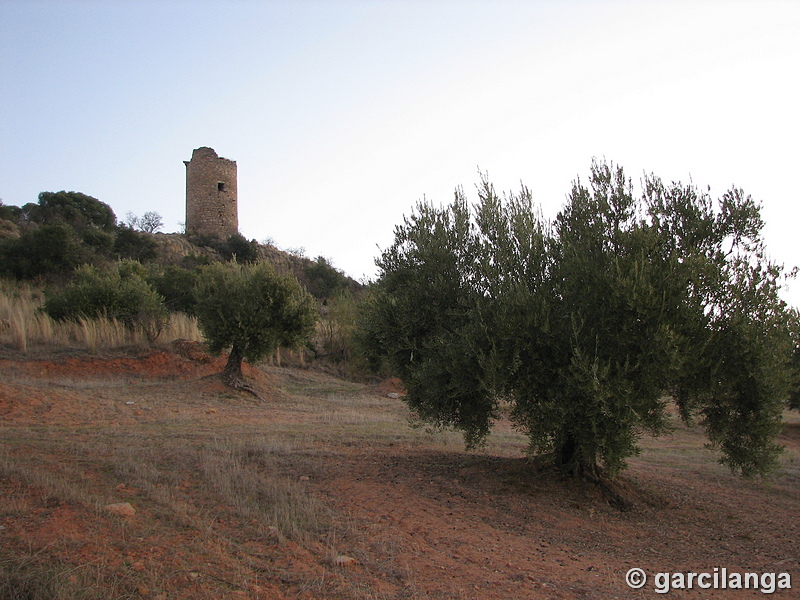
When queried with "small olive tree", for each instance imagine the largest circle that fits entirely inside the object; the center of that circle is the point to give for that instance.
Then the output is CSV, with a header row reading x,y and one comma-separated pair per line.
x,y
253,310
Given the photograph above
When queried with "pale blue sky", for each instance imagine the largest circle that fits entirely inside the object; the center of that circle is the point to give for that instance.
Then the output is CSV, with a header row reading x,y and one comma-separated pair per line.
x,y
342,115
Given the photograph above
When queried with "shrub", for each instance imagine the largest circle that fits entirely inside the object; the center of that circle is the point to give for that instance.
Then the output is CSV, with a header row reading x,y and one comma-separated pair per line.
x,y
100,240
323,280
237,248
135,245
45,251
176,285
119,293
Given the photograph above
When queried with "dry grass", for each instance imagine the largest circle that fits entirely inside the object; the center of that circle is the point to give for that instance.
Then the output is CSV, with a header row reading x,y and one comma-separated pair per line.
x,y
216,491
232,494
246,474
30,577
24,325
183,486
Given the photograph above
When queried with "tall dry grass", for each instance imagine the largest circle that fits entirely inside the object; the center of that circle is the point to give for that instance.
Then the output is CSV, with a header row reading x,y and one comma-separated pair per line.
x,y
24,325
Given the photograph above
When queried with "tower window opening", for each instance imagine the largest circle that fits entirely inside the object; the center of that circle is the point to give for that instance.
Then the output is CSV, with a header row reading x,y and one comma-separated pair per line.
x,y
221,186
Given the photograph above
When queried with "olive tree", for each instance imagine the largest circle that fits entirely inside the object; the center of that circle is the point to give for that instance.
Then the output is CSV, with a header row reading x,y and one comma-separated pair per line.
x,y
794,327
422,319
252,310
590,324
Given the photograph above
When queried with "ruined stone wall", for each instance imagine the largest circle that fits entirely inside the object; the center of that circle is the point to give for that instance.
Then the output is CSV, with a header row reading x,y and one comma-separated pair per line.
x,y
211,201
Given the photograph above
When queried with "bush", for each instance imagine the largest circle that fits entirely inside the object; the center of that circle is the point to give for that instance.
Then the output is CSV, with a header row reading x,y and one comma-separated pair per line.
x,y
119,293
135,245
100,240
323,280
176,285
48,250
237,248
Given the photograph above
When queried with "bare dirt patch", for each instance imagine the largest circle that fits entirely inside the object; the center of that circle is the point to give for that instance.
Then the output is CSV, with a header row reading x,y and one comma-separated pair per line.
x,y
324,491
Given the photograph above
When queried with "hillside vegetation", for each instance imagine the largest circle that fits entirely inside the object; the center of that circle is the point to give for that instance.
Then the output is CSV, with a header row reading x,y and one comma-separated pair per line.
x,y
75,277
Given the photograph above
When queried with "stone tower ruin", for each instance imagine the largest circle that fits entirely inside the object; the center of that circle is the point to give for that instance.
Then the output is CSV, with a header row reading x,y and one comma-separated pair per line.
x,y
211,203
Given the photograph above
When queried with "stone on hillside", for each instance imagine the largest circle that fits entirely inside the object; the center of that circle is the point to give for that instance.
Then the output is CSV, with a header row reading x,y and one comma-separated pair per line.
x,y
123,509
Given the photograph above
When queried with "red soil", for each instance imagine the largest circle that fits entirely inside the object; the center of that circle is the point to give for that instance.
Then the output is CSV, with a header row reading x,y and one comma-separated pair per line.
x,y
420,521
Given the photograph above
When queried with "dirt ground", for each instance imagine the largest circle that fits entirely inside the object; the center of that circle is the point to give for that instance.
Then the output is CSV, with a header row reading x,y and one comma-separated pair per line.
x,y
326,491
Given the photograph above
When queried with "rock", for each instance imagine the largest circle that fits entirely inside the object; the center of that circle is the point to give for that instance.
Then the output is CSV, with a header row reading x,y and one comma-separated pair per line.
x,y
123,509
344,561
393,395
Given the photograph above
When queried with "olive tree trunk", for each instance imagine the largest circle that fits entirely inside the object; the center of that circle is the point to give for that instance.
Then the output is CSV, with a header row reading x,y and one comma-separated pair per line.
x,y
232,373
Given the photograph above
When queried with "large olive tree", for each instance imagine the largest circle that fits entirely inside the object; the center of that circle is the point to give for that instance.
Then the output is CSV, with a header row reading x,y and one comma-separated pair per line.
x,y
588,325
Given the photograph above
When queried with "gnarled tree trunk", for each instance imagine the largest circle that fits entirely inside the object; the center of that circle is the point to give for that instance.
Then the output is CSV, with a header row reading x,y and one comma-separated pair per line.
x,y
232,373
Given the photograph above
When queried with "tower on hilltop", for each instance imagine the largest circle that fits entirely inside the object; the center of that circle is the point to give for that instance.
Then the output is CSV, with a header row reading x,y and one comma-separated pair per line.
x,y
211,202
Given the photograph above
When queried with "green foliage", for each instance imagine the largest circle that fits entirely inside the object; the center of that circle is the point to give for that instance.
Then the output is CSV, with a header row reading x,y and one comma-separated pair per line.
x,y
192,261
423,320
74,208
99,240
135,245
237,247
64,230
176,285
234,247
120,292
585,324
10,212
44,251
252,309
336,341
794,361
323,280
